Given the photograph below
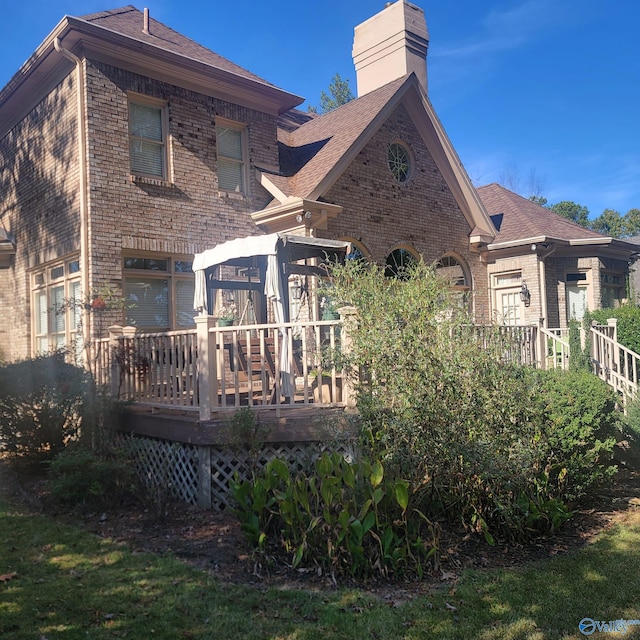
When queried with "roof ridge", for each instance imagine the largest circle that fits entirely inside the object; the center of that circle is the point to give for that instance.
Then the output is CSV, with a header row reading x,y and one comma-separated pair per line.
x,y
90,17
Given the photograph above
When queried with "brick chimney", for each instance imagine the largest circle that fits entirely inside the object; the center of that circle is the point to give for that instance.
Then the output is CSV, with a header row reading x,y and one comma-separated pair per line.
x,y
391,44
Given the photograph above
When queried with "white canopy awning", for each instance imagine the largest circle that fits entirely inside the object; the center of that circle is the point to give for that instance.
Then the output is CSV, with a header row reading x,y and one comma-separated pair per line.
x,y
298,248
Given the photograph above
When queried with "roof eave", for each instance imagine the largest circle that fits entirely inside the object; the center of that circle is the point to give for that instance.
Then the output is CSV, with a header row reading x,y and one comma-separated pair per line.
x,y
300,214
45,68
521,242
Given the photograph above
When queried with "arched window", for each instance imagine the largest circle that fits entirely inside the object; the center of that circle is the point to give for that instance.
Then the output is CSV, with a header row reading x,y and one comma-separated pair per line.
x,y
399,263
452,270
358,251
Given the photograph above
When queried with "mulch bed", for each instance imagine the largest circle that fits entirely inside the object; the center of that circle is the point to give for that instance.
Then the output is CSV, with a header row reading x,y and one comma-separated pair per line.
x,y
213,541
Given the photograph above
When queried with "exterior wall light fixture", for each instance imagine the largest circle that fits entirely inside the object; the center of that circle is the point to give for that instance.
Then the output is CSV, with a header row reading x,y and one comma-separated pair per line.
x,y
525,294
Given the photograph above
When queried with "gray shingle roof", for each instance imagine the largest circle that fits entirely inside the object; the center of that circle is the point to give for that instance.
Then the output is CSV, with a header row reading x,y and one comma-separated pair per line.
x,y
524,219
129,21
311,146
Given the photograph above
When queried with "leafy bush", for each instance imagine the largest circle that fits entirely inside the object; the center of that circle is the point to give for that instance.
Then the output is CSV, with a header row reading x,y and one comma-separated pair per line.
x,y
345,517
628,317
41,405
579,432
80,476
458,417
631,420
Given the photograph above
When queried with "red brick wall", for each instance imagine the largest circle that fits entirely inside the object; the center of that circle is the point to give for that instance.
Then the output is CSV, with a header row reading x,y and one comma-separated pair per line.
x,y
39,204
383,214
186,216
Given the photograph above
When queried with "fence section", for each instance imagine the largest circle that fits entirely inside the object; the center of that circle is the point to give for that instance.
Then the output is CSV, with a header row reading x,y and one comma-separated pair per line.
x,y
612,362
202,475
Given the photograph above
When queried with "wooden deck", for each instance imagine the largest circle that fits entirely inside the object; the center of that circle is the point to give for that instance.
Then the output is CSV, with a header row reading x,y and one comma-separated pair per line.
x,y
288,423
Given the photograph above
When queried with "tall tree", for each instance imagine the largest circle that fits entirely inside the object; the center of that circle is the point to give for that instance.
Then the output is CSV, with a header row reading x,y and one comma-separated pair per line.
x,y
572,211
631,223
339,94
609,223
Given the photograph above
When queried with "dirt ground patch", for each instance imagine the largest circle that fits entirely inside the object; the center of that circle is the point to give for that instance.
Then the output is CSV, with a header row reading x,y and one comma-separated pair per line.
x,y
214,542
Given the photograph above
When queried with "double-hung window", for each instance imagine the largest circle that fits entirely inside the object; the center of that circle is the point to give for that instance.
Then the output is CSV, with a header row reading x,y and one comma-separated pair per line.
x,y
57,304
159,293
148,137
232,154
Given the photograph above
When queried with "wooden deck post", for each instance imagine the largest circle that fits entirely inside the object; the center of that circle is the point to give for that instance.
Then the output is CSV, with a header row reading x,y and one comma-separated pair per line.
x,y
204,477
206,365
542,345
348,317
115,331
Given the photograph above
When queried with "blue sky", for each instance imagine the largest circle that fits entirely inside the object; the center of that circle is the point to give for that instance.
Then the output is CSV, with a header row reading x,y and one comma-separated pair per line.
x,y
537,94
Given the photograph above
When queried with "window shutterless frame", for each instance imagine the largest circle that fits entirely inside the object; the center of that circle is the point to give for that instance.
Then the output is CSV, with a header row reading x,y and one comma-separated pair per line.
x,y
159,292
232,156
56,301
148,137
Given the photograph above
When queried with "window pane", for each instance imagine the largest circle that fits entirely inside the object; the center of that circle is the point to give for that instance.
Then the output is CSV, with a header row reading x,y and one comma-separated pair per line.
x,y
149,297
146,121
150,264
41,313
57,302
576,302
185,313
229,143
230,176
510,307
147,158
76,297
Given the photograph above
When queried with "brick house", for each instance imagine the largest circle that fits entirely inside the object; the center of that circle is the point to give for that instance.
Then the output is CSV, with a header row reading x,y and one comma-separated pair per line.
x,y
126,148
566,268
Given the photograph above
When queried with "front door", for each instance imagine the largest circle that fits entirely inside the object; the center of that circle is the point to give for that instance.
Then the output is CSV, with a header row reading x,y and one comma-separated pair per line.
x,y
576,301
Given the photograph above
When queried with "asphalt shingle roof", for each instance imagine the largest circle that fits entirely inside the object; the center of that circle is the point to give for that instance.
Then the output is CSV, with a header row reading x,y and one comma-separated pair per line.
x,y
129,21
524,219
311,146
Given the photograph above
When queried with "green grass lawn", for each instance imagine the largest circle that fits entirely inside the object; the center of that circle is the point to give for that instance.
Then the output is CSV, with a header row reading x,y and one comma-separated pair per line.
x,y
69,584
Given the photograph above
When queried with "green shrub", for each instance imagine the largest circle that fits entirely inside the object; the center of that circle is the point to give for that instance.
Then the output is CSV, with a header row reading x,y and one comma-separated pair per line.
x,y
631,421
80,476
474,433
579,358
41,405
344,517
579,432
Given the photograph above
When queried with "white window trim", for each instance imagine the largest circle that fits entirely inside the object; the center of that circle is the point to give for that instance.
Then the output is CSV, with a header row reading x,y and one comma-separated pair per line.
x,y
139,99
170,275
244,135
42,281
500,289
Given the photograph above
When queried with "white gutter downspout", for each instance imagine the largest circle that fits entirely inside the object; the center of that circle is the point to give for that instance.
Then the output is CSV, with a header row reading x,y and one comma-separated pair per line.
x,y
82,153
542,274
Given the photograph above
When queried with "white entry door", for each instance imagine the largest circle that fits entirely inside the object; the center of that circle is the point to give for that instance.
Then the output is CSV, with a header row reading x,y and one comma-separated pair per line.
x,y
576,301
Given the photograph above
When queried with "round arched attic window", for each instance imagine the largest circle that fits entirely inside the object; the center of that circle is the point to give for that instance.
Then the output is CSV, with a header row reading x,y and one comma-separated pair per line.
x,y
399,162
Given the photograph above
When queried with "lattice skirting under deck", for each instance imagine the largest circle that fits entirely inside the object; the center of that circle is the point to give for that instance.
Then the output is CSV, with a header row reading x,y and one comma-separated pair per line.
x,y
201,475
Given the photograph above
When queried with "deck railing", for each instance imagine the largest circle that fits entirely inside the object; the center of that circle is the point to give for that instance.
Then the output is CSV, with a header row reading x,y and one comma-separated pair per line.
x,y
612,362
214,368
